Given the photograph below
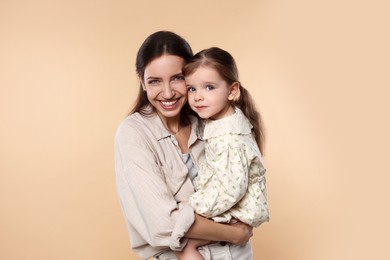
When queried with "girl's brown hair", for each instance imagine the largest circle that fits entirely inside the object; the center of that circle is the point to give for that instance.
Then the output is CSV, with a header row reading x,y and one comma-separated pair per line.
x,y
225,65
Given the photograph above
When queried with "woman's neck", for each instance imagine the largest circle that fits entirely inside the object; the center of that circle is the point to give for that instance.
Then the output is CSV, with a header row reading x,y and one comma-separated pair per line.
x,y
181,133
172,124
182,137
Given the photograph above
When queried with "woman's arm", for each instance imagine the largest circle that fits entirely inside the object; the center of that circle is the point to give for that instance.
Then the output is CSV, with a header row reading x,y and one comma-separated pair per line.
x,y
152,214
206,229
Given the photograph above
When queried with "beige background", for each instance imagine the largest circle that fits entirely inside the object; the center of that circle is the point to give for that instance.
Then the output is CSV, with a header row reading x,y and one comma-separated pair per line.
x,y
319,71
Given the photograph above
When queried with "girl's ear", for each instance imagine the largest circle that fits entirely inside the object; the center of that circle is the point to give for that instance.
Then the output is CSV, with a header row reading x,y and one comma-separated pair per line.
x,y
234,90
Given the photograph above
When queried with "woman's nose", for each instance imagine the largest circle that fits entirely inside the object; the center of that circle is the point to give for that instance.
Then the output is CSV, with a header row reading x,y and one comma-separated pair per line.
x,y
167,91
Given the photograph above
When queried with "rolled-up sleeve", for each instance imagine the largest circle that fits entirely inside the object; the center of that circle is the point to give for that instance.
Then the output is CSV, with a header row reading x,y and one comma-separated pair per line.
x,y
152,214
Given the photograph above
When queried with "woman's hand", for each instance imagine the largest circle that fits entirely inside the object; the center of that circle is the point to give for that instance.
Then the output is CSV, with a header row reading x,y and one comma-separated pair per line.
x,y
243,233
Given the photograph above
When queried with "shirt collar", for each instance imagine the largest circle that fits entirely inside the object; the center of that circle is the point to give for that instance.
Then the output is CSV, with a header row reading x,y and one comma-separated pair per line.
x,y
233,124
161,132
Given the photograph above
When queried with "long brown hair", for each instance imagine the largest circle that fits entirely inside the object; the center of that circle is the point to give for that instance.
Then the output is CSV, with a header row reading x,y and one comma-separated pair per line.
x,y
154,46
225,65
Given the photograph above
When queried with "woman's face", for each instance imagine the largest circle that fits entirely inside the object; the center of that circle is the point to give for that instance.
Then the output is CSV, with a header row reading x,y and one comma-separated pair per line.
x,y
165,86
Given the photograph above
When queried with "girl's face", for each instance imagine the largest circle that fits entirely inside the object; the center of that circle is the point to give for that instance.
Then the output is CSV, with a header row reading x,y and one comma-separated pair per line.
x,y
165,86
209,95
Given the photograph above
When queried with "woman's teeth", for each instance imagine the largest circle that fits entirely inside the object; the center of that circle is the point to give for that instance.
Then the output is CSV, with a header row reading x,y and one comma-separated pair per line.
x,y
168,103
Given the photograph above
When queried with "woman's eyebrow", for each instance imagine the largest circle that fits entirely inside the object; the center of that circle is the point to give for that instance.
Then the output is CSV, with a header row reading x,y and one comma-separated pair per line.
x,y
177,74
152,77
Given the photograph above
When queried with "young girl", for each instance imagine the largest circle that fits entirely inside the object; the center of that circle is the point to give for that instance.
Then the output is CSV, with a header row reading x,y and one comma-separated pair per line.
x,y
230,185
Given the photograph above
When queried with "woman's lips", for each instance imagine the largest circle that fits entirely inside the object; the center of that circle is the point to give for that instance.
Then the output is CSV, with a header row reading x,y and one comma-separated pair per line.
x,y
169,105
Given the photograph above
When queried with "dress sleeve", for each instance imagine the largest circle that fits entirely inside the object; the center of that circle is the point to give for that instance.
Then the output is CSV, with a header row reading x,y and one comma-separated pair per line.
x,y
151,213
222,182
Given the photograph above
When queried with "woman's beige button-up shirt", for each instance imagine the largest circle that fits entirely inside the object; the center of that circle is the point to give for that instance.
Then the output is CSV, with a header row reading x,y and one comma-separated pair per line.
x,y
152,183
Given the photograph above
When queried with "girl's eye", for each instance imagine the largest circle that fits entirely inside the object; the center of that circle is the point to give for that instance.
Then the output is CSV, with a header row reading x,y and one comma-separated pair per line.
x,y
210,87
191,89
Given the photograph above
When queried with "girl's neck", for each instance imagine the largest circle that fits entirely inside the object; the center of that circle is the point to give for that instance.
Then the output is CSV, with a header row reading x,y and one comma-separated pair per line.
x,y
228,111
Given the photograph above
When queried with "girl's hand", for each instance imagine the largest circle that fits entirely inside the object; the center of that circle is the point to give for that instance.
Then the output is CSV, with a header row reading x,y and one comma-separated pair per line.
x,y
242,234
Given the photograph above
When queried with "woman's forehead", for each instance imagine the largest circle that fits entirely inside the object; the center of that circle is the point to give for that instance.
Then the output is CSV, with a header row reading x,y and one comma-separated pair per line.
x,y
164,65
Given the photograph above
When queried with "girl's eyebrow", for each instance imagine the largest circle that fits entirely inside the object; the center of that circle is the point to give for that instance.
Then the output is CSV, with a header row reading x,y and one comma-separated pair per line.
x,y
210,82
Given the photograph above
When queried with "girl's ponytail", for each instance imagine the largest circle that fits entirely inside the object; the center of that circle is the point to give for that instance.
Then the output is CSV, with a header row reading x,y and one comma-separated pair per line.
x,y
244,101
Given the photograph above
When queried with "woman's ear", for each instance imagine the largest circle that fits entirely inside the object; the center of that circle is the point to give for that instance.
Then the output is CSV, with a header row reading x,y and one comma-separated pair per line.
x,y
142,83
234,90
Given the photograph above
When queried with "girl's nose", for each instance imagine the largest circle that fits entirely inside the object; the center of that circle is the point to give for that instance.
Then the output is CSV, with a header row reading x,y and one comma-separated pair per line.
x,y
198,96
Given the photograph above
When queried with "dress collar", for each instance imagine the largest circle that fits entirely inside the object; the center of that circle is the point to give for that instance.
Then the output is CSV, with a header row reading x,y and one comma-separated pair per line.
x,y
233,124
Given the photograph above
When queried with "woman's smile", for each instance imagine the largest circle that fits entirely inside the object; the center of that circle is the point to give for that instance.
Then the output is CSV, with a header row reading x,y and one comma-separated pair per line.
x,y
169,105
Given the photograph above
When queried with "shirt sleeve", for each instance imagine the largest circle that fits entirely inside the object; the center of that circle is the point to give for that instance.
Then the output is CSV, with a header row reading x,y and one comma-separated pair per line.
x,y
222,182
151,213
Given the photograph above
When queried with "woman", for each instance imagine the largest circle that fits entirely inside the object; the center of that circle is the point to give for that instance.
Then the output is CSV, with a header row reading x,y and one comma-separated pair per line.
x,y
158,148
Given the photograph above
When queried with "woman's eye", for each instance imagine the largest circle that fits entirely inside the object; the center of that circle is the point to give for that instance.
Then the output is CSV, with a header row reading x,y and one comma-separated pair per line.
x,y
210,87
153,82
178,77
